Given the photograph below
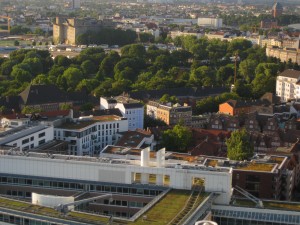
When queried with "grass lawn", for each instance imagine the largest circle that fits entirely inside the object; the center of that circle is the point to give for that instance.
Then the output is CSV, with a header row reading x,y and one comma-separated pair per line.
x,y
166,209
160,214
11,42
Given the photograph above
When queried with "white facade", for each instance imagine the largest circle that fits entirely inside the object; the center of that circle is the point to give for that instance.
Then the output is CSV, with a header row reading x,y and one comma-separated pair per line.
x,y
210,22
119,171
51,200
287,88
92,138
130,109
134,115
107,103
27,137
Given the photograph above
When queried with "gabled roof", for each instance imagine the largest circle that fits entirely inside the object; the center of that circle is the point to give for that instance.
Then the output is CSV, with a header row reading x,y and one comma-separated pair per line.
x,y
290,73
42,94
243,103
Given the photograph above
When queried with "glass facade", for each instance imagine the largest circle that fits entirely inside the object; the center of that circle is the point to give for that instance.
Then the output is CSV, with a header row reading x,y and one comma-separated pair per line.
x,y
230,217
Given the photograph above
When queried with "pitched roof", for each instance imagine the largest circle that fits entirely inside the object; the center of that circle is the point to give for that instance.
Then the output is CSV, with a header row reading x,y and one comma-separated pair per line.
x,y
42,94
243,103
290,73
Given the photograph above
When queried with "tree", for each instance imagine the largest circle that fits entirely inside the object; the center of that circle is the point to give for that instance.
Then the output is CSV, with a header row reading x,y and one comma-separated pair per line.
x,y
16,43
247,69
88,67
239,146
30,110
178,138
86,107
73,76
134,50
65,106
167,98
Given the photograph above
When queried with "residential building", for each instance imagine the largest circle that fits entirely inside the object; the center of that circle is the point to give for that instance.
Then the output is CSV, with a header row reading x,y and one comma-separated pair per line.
x,y
131,109
170,114
287,86
210,22
37,96
88,135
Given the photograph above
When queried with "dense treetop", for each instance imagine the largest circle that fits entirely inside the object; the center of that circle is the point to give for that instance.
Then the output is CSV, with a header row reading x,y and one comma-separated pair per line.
x,y
197,62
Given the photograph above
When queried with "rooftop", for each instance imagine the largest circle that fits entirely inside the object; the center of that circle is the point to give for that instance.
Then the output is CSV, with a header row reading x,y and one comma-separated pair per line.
x,y
254,166
284,205
161,213
84,122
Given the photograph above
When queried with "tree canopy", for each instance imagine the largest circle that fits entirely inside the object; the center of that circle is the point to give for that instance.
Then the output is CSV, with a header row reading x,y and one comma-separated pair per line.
x,y
239,146
177,139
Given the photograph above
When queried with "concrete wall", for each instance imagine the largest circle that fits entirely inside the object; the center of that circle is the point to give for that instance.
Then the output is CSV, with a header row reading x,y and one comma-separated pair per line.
x,y
50,200
215,181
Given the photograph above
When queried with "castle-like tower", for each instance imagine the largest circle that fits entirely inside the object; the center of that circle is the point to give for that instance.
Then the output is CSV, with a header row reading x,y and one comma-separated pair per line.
x,y
277,10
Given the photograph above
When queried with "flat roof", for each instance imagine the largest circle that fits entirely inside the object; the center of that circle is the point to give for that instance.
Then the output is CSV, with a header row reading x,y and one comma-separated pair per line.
x,y
171,204
82,123
257,166
269,204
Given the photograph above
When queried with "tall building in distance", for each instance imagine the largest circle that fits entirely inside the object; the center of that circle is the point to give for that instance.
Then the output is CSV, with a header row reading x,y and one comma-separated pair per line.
x,y
277,10
76,4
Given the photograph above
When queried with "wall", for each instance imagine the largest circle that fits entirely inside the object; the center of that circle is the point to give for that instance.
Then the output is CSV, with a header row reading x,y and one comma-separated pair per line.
x,y
215,181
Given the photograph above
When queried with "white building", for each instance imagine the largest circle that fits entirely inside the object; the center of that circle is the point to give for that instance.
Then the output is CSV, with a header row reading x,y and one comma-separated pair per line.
x,y
180,174
287,86
210,22
89,135
130,109
27,137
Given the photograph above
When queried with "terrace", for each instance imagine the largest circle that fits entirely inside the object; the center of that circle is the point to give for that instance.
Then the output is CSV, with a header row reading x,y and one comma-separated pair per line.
x,y
169,207
84,122
257,166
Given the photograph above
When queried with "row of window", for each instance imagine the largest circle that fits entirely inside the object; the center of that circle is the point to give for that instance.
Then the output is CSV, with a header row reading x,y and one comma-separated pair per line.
x,y
77,186
25,141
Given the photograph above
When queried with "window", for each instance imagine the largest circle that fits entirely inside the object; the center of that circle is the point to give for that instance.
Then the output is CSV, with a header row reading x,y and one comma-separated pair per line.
x,y
25,141
42,141
31,138
41,134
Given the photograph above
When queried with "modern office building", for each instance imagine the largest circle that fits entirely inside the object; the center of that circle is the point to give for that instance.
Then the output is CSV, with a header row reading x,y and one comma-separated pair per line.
x,y
90,134
26,136
137,180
